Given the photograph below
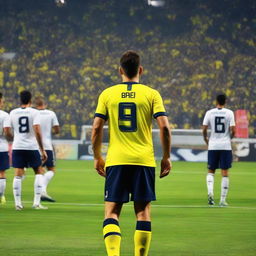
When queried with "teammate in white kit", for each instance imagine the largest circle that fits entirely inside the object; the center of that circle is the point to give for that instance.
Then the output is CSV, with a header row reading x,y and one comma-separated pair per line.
x,y
49,124
5,134
222,123
25,122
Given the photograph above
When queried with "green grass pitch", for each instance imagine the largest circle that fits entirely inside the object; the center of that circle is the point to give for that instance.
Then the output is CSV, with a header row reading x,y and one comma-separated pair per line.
x,y
182,223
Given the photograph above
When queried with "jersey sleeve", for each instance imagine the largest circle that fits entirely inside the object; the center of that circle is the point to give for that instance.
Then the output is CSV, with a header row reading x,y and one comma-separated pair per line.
x,y
232,119
158,106
101,110
7,121
206,120
55,121
36,118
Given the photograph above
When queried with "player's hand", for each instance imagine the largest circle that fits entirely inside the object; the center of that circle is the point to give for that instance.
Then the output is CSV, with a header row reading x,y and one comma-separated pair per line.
x,y
166,166
99,165
44,156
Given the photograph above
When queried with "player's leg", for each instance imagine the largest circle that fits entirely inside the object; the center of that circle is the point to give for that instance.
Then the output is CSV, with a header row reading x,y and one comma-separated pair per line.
x,y
225,165
111,229
143,192
4,165
142,236
19,162
213,163
50,165
210,186
224,187
17,187
2,186
116,193
35,162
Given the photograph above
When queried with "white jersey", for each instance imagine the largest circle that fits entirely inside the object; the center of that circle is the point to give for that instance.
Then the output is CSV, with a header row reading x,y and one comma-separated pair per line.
x,y
48,119
219,120
4,123
22,121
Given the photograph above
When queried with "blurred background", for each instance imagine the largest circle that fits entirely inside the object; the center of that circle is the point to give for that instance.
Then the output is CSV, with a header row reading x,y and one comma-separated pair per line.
x,y
69,52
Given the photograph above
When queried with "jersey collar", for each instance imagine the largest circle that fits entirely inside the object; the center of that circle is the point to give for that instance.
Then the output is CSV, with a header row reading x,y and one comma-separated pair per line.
x,y
129,83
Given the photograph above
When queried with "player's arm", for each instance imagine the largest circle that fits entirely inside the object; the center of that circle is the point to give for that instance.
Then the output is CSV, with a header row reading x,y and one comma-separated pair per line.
x,y
97,135
37,131
55,125
206,122
8,133
232,126
165,138
206,139
56,129
232,131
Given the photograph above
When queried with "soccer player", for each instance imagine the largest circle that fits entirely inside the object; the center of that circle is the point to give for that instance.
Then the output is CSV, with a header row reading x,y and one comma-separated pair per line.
x,y
5,134
25,122
222,123
130,165
49,124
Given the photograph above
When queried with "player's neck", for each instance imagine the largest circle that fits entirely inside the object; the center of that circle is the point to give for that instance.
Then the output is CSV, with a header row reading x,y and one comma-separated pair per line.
x,y
135,80
40,108
25,105
220,106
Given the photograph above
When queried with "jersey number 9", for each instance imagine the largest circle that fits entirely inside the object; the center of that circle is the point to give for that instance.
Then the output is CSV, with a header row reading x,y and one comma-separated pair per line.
x,y
23,124
127,117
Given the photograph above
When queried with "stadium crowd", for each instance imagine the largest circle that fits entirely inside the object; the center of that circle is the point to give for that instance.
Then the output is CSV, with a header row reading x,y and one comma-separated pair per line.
x,y
71,54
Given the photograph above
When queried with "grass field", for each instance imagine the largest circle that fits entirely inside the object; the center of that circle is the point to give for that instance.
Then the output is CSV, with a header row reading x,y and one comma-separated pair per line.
x,y
182,223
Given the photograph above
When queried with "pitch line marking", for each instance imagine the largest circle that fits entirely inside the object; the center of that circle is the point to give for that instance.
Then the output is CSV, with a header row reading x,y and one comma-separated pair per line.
x,y
155,205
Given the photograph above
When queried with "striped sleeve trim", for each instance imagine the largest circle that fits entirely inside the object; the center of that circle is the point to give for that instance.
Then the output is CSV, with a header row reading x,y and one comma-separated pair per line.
x,y
101,116
159,114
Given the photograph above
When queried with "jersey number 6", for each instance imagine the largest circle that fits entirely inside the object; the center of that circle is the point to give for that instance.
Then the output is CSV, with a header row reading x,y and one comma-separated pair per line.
x,y
127,117
219,124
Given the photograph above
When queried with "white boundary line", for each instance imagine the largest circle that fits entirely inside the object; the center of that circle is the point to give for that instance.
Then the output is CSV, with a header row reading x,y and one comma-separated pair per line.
x,y
153,205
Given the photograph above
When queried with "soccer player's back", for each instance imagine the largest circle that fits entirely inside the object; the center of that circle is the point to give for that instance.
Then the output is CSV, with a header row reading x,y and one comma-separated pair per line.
x,y
130,129
222,123
5,132
27,142
130,164
49,124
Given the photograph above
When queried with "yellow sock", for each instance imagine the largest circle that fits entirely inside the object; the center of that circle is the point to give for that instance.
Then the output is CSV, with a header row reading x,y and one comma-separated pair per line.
x,y
142,238
112,237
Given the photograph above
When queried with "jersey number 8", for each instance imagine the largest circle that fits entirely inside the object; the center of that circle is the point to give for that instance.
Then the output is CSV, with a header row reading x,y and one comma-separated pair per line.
x,y
24,125
127,117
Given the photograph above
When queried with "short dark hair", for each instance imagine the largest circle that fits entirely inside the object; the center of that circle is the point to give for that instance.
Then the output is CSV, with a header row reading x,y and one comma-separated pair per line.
x,y
1,95
39,101
221,99
130,62
25,97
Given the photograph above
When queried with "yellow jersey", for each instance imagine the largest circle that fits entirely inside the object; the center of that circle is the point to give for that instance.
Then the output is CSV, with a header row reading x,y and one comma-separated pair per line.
x,y
129,108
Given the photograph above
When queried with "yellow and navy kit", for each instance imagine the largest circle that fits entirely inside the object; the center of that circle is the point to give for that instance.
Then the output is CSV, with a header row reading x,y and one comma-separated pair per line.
x,y
129,108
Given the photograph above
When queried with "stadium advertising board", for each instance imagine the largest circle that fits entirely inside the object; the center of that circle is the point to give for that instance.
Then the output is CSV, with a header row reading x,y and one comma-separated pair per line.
x,y
242,151
65,149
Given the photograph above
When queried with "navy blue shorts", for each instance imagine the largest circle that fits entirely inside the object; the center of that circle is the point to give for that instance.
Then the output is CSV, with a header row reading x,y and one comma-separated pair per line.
x,y
26,158
50,162
125,180
219,159
4,161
